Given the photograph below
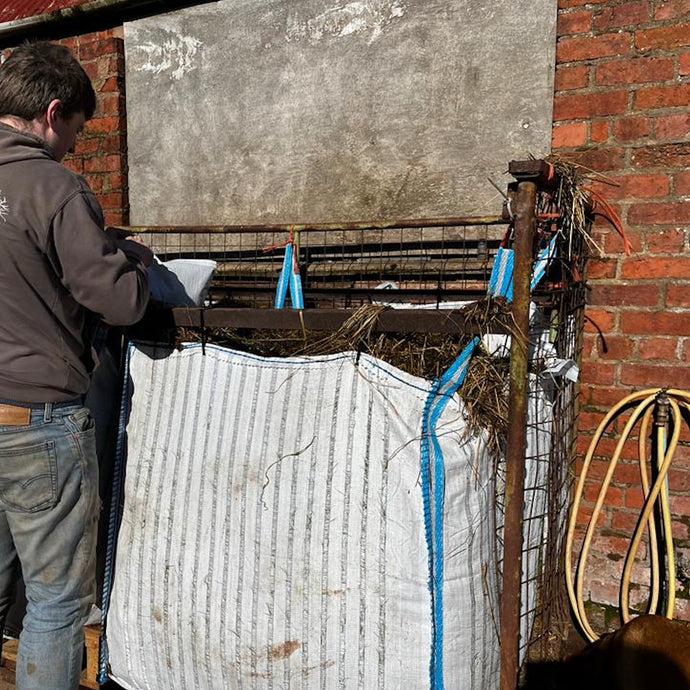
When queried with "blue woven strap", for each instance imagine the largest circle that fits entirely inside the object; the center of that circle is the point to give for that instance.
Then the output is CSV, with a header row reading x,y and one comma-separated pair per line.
x,y
542,262
289,279
433,488
284,278
296,296
501,280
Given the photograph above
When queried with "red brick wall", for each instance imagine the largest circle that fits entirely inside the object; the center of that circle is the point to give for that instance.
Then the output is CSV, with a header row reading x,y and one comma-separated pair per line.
x,y
101,151
621,107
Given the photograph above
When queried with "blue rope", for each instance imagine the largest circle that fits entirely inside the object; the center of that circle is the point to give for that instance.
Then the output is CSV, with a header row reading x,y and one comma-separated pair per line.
x,y
114,518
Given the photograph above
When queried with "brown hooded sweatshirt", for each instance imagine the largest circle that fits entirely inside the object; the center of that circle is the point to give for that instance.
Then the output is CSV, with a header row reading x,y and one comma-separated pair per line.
x,y
56,263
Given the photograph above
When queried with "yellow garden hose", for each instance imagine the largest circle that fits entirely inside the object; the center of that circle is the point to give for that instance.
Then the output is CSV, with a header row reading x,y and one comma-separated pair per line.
x,y
662,406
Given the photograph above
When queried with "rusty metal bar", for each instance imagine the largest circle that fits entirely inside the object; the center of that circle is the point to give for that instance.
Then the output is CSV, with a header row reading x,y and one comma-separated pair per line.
x,y
389,321
455,221
525,227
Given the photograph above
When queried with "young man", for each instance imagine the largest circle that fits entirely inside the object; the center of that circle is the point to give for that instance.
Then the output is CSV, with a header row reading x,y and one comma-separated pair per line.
x,y
56,265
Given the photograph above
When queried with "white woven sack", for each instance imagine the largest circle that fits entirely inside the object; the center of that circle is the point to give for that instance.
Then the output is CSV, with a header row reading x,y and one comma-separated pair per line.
x,y
273,529
180,282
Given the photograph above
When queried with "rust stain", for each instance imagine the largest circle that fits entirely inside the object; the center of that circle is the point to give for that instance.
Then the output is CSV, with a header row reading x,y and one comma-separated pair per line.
x,y
30,669
332,592
158,616
283,651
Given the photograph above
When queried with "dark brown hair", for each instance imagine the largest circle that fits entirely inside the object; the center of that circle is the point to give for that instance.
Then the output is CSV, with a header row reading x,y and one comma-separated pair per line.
x,y
37,73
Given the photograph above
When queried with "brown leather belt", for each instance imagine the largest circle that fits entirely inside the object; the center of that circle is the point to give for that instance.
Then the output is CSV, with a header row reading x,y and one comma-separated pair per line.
x,y
14,415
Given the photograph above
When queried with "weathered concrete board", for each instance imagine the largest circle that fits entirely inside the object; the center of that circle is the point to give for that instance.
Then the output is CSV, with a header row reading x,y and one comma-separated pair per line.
x,y
316,110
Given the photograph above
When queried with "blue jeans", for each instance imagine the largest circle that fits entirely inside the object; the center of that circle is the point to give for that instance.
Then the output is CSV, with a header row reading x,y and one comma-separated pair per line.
x,y
48,521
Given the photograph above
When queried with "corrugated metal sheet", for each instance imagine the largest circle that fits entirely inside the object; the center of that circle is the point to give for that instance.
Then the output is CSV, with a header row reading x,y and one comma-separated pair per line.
x,y
19,9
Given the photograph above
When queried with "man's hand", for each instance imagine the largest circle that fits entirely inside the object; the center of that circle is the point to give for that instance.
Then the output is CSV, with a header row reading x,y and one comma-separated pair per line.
x,y
136,250
132,245
118,234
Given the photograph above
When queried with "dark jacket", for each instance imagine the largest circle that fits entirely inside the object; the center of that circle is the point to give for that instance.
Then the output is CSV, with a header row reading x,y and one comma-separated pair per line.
x,y
56,262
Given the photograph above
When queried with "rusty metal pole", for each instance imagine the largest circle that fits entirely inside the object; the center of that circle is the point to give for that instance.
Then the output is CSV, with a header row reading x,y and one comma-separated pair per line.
x,y
525,226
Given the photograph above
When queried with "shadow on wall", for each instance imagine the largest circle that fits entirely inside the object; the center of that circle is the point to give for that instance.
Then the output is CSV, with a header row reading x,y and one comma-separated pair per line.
x,y
649,653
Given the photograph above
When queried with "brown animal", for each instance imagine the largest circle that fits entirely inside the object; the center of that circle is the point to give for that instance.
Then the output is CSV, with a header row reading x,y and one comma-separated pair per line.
x,y
648,653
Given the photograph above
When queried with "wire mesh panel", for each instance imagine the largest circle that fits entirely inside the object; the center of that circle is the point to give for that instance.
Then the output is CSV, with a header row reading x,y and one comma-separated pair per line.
x,y
340,266
562,298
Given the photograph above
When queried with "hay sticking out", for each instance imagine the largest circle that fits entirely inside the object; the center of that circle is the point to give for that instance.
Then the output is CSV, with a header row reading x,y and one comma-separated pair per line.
x,y
577,204
573,201
485,396
358,332
426,355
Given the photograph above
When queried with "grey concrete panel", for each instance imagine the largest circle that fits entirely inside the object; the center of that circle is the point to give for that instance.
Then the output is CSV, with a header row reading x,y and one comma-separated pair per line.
x,y
313,110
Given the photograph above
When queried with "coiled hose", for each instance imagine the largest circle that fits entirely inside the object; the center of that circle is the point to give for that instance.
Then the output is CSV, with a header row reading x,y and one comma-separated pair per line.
x,y
662,407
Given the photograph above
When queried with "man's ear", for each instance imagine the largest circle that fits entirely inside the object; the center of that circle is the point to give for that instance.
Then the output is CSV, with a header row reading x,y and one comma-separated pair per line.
x,y
53,112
